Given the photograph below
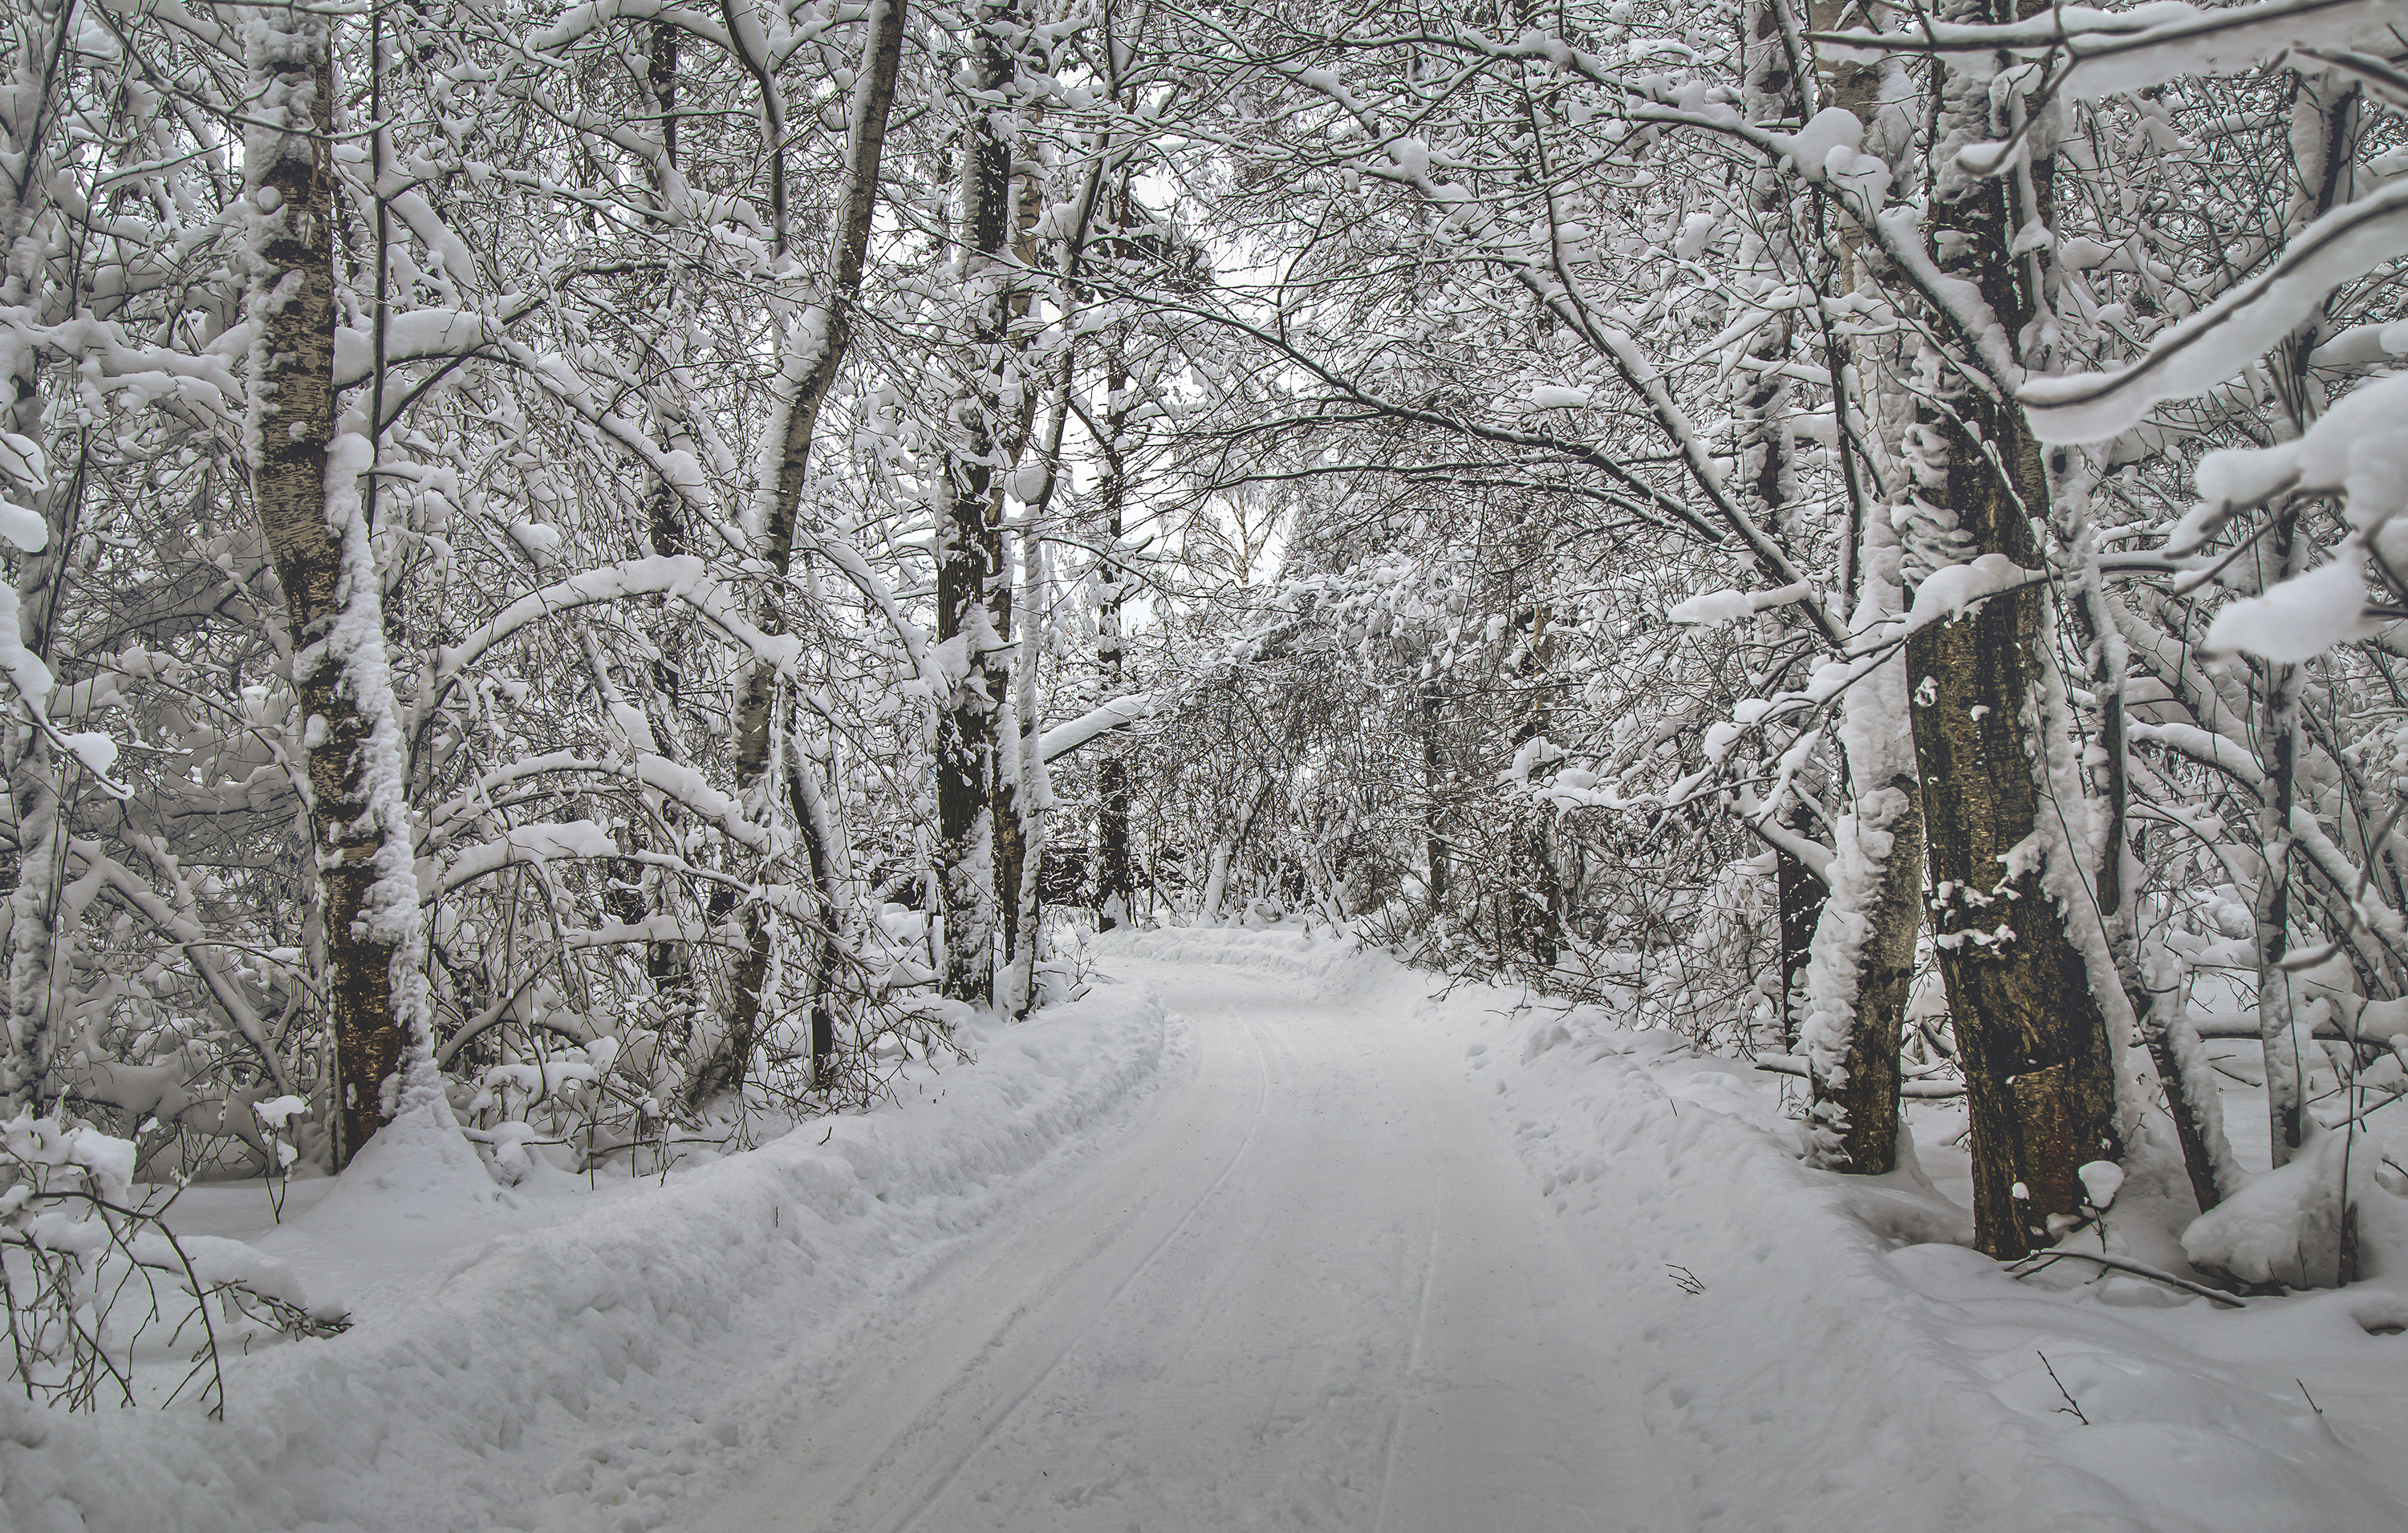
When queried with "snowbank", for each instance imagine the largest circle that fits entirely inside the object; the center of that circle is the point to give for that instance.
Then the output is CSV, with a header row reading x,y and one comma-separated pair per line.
x,y
577,1375
1822,1353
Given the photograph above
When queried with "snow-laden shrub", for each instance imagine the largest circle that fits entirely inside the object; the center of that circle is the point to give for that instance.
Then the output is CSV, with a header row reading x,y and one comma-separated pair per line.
x,y
2290,1225
97,1285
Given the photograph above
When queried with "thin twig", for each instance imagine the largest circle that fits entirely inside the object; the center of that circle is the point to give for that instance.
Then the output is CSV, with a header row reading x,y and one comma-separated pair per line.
x,y
2071,1406
2041,1262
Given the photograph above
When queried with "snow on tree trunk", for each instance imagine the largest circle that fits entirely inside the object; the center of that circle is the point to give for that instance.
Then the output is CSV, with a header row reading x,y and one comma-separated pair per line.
x,y
813,353
2040,1077
305,483
35,988
1033,789
1015,815
1863,970
969,557
1216,883
2323,124
1766,482
824,852
2171,1045
1115,887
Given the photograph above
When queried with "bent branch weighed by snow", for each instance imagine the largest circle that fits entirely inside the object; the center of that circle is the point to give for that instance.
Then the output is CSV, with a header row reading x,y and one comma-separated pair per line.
x,y
2151,44
1119,713
2229,334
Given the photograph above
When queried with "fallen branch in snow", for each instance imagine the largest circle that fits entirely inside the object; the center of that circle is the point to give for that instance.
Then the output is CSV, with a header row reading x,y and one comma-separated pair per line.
x,y
2214,1296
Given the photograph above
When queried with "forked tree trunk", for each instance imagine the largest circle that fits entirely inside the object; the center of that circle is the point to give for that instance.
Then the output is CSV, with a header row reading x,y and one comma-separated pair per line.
x,y
814,357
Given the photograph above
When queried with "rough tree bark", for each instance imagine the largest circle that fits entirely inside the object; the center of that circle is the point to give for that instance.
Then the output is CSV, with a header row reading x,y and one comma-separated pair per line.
x,y
1114,886
31,868
1858,987
969,553
289,166
2040,1077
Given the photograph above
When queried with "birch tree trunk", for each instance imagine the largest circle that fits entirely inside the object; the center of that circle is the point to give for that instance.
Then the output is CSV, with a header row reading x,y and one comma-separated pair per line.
x,y
1016,813
305,484
1848,935
32,868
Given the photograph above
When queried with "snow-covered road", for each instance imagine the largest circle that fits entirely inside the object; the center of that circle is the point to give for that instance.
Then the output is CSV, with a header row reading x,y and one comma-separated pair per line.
x,y
1311,1288
1259,1234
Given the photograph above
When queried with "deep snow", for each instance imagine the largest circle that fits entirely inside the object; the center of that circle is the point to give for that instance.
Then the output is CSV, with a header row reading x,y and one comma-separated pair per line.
x,y
1257,1234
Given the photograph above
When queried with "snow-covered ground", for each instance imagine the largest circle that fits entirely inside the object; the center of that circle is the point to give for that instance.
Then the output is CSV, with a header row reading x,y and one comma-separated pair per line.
x,y
1257,1235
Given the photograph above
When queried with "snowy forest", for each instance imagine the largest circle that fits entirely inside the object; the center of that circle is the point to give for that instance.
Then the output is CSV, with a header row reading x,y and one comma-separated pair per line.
x,y
591,585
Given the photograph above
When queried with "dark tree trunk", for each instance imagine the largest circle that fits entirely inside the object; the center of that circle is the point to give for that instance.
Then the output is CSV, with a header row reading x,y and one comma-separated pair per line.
x,y
2040,1075
1114,887
1801,896
969,553
811,372
2278,737
1434,791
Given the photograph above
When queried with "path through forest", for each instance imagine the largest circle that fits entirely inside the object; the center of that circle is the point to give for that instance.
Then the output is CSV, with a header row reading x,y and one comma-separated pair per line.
x,y
1266,1231
1314,1288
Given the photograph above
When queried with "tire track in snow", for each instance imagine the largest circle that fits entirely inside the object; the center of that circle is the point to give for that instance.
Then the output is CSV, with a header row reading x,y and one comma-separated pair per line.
x,y
986,1434
1318,1291
1404,1387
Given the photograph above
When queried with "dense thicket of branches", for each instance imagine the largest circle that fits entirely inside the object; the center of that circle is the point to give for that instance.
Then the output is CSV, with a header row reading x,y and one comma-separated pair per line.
x,y
603,565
